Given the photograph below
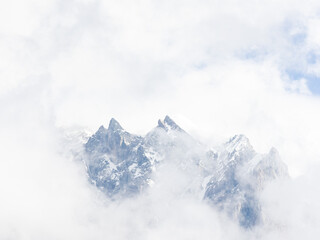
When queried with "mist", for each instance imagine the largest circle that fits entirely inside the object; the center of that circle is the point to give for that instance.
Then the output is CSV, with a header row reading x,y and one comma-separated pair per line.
x,y
67,67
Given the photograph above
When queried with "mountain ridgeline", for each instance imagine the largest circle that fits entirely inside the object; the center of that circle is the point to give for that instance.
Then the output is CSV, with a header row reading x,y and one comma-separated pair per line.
x,y
229,177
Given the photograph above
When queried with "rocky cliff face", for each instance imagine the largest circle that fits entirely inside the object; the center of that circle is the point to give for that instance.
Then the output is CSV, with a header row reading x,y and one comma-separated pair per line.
x,y
229,178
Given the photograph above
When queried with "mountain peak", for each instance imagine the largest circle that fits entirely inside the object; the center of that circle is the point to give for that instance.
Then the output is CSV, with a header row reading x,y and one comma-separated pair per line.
x,y
114,125
167,119
239,138
274,152
168,124
238,142
101,129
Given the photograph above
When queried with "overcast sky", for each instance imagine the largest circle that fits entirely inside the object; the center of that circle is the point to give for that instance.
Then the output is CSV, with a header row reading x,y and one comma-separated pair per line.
x,y
218,68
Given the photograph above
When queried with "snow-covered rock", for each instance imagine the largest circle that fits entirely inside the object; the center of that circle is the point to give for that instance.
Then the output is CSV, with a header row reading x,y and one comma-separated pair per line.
x,y
229,177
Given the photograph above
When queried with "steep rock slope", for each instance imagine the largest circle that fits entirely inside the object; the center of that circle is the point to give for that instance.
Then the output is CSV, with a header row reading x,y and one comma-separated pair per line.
x,y
230,177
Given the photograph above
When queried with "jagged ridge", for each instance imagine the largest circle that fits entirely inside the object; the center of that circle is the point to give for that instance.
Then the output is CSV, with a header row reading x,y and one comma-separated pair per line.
x,y
122,165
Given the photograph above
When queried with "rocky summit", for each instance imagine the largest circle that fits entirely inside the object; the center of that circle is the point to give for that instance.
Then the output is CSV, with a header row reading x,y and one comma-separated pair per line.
x,y
228,177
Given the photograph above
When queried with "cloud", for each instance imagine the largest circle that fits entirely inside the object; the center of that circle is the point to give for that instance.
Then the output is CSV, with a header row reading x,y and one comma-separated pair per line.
x,y
45,193
217,68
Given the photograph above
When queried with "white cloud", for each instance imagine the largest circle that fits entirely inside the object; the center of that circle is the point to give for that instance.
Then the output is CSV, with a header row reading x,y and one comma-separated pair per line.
x,y
218,68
